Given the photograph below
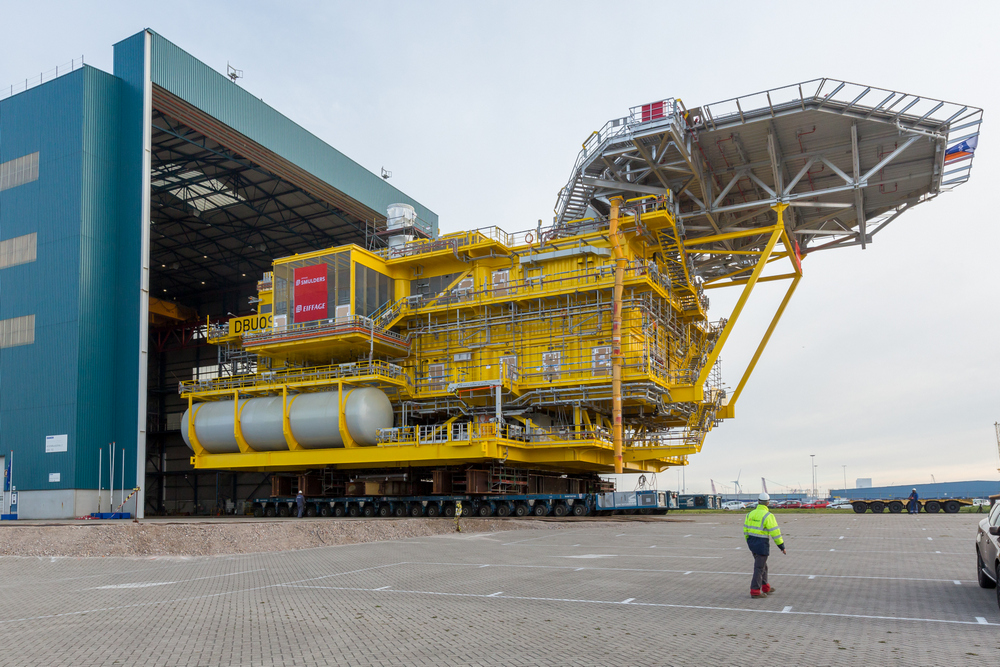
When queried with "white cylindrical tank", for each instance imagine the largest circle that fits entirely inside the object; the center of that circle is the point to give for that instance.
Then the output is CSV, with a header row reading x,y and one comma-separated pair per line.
x,y
400,215
314,420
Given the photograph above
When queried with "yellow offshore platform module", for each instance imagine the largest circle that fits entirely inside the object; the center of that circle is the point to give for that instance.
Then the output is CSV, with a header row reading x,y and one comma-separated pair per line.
x,y
583,346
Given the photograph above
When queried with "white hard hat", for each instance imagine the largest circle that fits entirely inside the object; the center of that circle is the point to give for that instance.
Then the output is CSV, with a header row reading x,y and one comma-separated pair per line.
x,y
763,497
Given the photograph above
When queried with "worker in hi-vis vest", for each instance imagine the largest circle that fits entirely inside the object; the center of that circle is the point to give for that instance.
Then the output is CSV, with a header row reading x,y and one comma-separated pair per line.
x,y
759,526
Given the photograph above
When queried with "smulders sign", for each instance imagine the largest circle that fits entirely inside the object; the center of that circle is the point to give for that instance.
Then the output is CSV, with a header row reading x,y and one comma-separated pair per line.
x,y
310,293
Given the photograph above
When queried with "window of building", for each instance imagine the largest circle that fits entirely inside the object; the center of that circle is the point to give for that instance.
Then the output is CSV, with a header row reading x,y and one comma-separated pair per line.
x,y
18,250
371,290
205,372
18,172
17,331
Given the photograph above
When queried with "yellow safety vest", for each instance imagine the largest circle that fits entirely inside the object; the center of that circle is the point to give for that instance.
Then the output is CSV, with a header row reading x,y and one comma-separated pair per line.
x,y
761,523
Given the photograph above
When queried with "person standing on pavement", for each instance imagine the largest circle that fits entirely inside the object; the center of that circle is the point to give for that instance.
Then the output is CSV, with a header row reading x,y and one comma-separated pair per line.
x,y
913,506
300,500
759,526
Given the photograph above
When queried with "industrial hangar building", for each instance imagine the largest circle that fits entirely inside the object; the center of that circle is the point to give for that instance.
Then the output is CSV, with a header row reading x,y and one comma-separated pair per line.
x,y
132,205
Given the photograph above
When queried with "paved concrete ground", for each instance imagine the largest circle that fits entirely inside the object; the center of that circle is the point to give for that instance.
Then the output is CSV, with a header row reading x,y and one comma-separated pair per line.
x,y
870,589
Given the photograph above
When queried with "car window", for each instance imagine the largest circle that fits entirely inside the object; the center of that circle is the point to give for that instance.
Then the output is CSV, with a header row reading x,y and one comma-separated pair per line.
x,y
995,515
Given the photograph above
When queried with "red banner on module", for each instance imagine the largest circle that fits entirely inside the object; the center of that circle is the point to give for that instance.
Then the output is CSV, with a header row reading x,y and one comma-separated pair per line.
x,y
310,293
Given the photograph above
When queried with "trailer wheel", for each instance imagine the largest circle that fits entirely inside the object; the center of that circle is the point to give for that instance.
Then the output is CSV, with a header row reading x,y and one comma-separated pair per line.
x,y
338,510
932,506
895,507
860,508
383,510
416,509
503,509
311,511
282,510
353,510
368,510
485,509
324,510
433,510
520,510
878,507
467,509
540,509
579,509
952,507
559,510
984,581
258,511
399,510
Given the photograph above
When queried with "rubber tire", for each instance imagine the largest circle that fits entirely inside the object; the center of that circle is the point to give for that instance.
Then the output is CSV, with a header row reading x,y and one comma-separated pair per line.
x,y
895,507
311,511
399,510
860,508
996,571
449,511
269,511
952,507
485,510
324,510
503,509
283,510
559,510
416,509
932,507
539,509
383,510
579,509
368,510
521,510
878,507
984,581
433,510
338,510
258,511
353,510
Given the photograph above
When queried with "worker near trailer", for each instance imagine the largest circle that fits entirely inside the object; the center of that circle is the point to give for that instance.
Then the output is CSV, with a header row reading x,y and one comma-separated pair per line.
x,y
300,500
759,528
913,506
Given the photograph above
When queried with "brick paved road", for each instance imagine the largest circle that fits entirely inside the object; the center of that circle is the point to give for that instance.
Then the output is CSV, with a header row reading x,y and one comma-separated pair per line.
x,y
870,589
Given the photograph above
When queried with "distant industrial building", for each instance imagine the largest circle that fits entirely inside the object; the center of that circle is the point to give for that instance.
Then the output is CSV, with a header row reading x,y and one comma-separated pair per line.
x,y
971,489
863,483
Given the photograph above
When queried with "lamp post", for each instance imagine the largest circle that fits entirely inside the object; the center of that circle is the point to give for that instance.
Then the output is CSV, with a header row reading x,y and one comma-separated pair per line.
x,y
845,476
812,460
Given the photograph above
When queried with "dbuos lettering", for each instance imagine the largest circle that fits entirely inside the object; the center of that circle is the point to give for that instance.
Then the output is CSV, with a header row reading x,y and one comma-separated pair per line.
x,y
253,323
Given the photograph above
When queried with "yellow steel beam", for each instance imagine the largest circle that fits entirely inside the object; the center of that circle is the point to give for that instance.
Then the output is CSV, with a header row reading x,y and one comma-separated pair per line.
x,y
237,426
743,281
616,335
717,348
192,434
717,238
286,427
728,411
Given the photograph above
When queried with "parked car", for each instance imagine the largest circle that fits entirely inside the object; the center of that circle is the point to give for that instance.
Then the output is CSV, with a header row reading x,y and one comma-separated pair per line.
x,y
988,551
792,504
840,505
733,505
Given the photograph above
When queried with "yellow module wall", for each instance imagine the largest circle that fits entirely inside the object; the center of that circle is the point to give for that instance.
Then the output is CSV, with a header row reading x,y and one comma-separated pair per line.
x,y
510,356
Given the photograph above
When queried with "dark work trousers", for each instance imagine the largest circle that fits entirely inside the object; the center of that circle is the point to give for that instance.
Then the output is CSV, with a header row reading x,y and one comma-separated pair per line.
x,y
302,507
759,572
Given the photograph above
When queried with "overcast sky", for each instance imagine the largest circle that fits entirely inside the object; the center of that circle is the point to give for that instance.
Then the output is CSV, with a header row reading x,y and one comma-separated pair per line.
x,y
886,360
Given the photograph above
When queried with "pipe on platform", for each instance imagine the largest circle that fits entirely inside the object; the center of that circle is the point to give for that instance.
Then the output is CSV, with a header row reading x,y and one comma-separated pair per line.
x,y
616,336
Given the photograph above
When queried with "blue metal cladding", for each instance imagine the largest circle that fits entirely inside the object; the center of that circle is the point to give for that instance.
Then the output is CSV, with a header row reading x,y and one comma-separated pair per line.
x,y
177,71
970,489
129,68
62,383
38,391
100,228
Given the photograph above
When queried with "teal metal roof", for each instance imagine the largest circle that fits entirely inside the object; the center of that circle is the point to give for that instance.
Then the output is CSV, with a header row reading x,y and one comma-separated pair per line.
x,y
186,77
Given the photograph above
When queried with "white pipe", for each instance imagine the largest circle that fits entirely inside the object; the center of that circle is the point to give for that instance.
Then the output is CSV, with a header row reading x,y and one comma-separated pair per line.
x,y
111,479
100,463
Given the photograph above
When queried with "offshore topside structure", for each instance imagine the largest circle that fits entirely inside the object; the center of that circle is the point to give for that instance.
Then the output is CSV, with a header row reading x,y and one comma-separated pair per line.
x,y
282,310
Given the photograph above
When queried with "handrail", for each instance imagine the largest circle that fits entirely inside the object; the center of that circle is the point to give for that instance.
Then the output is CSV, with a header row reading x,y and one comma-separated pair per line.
x,y
376,368
329,327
